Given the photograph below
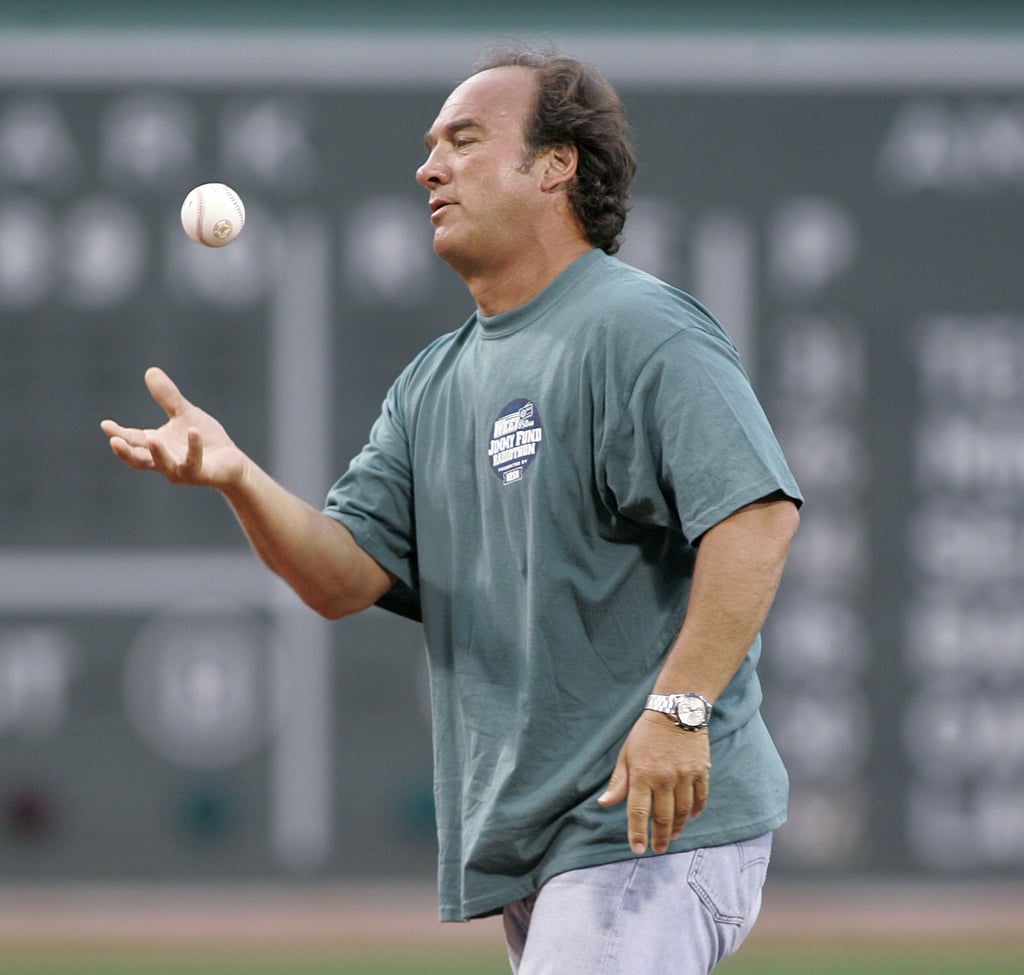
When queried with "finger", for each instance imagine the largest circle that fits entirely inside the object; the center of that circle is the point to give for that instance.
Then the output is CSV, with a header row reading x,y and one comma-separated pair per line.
x,y
638,813
194,454
691,799
180,471
130,435
700,796
165,392
663,819
617,786
684,808
137,457
163,460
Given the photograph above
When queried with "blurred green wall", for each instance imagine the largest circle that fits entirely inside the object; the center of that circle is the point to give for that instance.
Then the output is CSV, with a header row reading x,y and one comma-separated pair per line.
x,y
533,15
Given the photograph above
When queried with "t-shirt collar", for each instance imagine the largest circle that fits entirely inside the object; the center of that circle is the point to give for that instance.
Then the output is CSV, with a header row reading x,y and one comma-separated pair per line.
x,y
507,322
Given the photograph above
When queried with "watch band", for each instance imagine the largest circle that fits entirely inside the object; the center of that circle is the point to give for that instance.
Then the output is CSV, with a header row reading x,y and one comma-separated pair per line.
x,y
665,703
669,704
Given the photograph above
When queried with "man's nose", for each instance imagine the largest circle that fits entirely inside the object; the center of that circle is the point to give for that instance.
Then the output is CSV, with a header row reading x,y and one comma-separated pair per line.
x,y
433,171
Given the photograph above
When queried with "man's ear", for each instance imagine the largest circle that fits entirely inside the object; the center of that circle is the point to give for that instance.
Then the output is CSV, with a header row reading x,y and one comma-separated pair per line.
x,y
560,167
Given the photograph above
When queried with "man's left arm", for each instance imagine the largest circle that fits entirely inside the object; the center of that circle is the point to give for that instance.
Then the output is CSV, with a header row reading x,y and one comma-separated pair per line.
x,y
662,769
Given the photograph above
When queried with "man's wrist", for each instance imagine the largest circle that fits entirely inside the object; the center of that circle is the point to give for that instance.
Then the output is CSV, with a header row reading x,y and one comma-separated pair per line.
x,y
689,710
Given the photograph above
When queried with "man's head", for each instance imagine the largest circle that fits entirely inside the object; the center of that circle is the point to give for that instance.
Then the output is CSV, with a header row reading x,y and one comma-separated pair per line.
x,y
576,107
528,168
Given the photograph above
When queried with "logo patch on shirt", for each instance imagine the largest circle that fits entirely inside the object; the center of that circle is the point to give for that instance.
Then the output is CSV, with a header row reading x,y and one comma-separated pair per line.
x,y
515,440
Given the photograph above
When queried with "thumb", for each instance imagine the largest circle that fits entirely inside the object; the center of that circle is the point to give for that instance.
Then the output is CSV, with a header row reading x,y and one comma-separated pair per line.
x,y
618,786
163,390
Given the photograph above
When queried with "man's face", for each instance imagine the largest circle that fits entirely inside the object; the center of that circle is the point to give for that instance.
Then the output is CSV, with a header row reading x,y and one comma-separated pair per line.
x,y
483,202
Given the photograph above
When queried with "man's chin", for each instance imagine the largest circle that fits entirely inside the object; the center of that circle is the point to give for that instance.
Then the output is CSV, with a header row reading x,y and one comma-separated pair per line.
x,y
446,248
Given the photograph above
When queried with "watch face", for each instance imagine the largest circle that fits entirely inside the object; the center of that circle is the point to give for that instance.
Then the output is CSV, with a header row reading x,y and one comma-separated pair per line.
x,y
691,712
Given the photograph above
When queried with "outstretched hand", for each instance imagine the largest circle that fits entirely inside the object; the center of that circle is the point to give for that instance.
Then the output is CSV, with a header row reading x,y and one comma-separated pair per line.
x,y
190,448
662,773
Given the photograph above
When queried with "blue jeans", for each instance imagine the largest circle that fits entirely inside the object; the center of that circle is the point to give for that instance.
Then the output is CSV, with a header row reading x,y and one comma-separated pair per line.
x,y
680,912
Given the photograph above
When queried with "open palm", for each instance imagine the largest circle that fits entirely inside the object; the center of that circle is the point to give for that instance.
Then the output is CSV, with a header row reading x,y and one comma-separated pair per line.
x,y
190,448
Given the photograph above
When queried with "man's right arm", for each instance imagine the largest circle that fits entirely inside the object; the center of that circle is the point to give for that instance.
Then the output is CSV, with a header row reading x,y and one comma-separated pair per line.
x,y
316,555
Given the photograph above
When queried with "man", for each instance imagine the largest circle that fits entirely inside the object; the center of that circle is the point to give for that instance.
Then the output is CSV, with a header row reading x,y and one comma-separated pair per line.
x,y
579,495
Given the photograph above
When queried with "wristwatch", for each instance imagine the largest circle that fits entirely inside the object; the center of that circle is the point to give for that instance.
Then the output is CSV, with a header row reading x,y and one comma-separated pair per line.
x,y
691,710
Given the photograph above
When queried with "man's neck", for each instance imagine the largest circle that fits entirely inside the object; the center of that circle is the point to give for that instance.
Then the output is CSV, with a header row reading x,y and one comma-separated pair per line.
x,y
497,291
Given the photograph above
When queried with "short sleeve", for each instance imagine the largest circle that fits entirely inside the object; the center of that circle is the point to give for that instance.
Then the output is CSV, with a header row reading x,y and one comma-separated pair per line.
x,y
692,443
374,500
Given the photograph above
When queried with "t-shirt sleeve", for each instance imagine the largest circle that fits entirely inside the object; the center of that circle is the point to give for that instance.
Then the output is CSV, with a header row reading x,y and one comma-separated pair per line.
x,y
693,444
374,500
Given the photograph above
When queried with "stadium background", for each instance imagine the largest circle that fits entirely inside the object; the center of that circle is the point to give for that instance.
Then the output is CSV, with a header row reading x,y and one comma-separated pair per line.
x,y
844,189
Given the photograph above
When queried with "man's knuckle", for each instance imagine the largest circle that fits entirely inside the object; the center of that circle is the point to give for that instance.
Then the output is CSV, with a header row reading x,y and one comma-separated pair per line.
x,y
653,777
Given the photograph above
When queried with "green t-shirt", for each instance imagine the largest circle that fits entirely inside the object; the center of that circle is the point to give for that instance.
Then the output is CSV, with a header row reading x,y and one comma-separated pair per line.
x,y
535,480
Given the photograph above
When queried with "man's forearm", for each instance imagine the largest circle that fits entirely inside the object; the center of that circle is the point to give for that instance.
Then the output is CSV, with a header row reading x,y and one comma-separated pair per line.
x,y
737,572
316,555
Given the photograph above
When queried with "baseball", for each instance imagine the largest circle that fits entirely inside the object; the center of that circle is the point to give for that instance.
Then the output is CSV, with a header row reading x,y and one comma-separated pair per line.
x,y
213,214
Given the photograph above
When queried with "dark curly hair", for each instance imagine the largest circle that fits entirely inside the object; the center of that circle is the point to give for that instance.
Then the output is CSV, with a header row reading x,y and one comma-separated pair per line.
x,y
576,106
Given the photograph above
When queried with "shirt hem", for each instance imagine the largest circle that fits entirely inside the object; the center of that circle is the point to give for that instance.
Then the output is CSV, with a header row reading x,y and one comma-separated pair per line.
x,y
482,907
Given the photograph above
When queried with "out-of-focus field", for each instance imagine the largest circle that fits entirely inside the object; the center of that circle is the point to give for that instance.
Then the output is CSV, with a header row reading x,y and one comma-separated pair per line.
x,y
827,930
